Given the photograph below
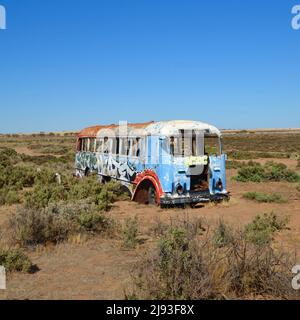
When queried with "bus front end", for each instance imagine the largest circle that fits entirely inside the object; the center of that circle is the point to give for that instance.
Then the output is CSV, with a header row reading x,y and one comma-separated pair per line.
x,y
194,170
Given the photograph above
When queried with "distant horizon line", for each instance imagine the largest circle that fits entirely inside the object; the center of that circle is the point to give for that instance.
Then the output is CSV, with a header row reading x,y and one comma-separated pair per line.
x,y
222,130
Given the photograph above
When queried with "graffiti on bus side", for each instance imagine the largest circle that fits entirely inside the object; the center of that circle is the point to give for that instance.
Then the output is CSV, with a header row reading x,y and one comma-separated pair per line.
x,y
86,160
120,169
107,165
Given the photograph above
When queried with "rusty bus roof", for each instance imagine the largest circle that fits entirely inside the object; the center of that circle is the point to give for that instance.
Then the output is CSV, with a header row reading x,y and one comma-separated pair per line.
x,y
94,130
154,128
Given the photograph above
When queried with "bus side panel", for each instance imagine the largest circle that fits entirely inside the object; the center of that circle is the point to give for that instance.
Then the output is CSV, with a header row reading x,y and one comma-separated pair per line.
x,y
86,160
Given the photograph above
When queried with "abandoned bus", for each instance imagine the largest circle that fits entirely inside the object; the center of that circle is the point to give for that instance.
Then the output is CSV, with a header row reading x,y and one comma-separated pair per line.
x,y
167,163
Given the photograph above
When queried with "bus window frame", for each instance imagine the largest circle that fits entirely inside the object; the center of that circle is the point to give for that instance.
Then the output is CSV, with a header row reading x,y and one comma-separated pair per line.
x,y
85,144
218,144
119,146
180,145
79,145
138,144
99,148
92,144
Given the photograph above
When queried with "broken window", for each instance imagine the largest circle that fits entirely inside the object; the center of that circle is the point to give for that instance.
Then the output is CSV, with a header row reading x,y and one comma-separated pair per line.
x,y
79,144
106,145
187,144
212,145
85,144
99,143
135,149
92,145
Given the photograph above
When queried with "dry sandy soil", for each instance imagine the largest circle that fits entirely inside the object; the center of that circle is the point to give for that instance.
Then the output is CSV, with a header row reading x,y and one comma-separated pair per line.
x,y
99,268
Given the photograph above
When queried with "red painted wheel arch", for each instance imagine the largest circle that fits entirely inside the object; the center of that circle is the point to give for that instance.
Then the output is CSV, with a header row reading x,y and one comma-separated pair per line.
x,y
148,175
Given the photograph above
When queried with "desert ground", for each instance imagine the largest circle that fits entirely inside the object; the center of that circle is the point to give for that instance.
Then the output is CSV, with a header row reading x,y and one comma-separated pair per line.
x,y
99,266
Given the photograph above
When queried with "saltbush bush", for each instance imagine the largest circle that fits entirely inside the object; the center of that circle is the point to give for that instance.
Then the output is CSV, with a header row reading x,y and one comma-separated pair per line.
x,y
130,232
47,190
15,260
8,157
17,177
9,196
56,222
42,195
271,171
193,266
262,229
245,155
262,197
221,235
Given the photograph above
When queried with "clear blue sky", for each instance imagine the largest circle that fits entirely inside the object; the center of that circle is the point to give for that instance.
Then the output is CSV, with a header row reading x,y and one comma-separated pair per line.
x,y
69,64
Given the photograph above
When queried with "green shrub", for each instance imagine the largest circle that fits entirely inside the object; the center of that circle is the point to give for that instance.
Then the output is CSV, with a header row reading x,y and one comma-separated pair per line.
x,y
93,222
262,197
105,199
31,227
262,229
16,177
279,172
42,196
175,240
195,268
12,197
130,232
245,155
15,260
43,159
45,177
250,173
56,222
89,187
4,160
233,164
8,157
271,171
47,190
9,196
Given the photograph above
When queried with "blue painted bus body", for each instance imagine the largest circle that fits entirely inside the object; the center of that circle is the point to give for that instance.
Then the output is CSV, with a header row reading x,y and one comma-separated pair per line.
x,y
155,165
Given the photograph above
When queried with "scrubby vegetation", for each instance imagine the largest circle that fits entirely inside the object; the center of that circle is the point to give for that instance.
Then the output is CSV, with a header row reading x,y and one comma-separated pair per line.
x,y
271,171
272,143
220,264
56,222
191,259
246,155
47,159
13,178
262,197
47,190
262,229
15,260
221,235
130,233
233,164
55,205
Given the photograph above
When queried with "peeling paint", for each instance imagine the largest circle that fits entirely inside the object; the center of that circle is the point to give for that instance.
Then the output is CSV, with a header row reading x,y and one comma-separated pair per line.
x,y
155,169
